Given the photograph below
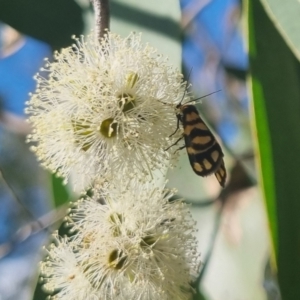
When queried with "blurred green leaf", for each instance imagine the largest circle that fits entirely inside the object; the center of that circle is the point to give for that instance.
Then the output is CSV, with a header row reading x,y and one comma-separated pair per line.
x,y
159,21
52,21
276,104
60,191
285,15
200,296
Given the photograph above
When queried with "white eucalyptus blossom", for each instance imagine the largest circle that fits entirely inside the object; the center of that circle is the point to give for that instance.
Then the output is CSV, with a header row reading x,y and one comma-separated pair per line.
x,y
64,277
105,108
131,243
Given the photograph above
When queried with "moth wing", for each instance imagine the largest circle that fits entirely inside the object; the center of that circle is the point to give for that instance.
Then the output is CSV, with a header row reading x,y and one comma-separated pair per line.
x,y
205,162
221,174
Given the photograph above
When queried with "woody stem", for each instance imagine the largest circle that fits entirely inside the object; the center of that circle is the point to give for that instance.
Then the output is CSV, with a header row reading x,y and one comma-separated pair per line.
x,y
101,8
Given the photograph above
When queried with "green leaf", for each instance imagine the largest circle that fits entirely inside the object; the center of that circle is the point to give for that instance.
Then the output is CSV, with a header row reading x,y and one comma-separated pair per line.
x,y
276,105
200,296
61,194
52,21
285,16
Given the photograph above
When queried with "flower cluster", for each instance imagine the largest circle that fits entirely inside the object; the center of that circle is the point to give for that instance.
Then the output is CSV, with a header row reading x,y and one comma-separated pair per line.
x,y
130,242
105,108
105,115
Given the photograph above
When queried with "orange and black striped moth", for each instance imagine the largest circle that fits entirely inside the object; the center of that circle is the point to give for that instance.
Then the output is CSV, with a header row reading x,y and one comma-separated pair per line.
x,y
204,152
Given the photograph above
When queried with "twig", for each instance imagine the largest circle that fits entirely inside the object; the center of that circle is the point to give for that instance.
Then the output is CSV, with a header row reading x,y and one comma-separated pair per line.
x,y
32,228
217,222
101,8
11,190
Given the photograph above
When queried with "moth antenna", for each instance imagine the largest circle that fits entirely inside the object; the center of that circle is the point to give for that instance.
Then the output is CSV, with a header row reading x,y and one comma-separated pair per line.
x,y
187,80
203,96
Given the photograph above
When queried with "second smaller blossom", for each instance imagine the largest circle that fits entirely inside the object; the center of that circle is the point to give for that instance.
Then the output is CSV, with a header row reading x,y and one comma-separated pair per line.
x,y
137,245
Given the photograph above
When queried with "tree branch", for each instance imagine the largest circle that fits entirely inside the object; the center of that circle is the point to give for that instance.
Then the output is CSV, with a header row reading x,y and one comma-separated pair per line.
x,y
101,8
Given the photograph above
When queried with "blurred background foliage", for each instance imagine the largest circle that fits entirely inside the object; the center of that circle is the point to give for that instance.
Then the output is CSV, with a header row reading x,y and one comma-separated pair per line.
x,y
247,232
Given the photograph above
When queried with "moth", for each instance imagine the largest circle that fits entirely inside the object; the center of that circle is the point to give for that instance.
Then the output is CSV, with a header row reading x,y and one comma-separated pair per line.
x,y
204,152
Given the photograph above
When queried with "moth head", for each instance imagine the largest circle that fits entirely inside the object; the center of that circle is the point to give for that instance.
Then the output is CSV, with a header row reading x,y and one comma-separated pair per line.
x,y
178,109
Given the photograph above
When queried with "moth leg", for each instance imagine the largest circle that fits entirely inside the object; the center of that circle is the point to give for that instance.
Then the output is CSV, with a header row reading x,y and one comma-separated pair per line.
x,y
175,143
180,148
177,127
